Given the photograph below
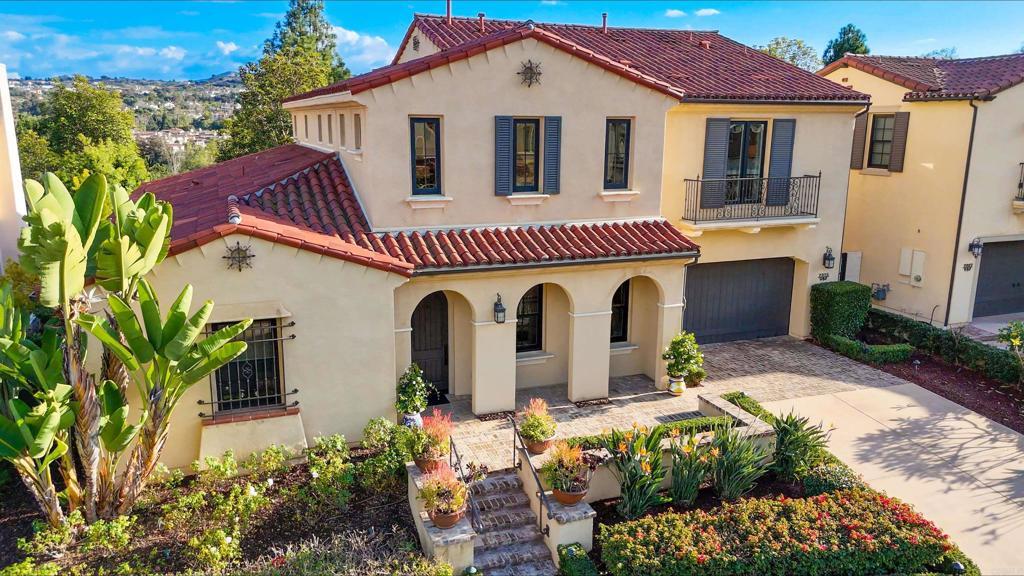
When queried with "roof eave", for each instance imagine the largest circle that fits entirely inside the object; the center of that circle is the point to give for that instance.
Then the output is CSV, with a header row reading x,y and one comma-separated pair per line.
x,y
434,271
776,101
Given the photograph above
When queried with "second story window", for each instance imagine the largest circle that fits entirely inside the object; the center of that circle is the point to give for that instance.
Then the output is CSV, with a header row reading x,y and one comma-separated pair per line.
x,y
305,126
341,129
880,152
426,155
357,127
616,154
745,162
526,144
319,128
330,128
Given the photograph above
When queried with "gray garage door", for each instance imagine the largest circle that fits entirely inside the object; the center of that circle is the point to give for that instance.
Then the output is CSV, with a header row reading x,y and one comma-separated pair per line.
x,y
1000,279
738,300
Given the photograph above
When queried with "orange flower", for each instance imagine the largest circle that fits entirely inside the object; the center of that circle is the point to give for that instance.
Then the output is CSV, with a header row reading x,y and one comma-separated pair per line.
x,y
714,452
622,446
645,466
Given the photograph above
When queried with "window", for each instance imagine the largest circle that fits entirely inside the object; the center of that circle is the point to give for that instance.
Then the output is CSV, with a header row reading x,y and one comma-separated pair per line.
x,y
305,125
341,129
358,127
530,320
426,155
616,154
319,128
880,151
620,313
330,128
254,379
526,147
295,128
745,161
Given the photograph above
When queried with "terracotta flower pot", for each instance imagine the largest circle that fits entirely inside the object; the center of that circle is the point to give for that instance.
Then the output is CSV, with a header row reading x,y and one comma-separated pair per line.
x,y
538,447
445,521
568,498
428,465
676,386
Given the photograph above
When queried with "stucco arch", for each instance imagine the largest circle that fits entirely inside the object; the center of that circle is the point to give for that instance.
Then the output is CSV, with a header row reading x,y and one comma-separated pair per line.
x,y
549,364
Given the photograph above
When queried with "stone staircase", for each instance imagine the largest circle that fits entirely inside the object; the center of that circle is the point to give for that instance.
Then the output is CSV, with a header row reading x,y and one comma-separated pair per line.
x,y
508,542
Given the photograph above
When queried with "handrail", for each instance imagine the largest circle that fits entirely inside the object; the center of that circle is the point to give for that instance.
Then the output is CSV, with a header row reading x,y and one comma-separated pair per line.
x,y
517,443
750,198
455,461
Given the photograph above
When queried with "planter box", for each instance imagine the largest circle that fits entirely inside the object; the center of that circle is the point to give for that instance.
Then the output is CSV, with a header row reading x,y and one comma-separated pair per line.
x,y
453,545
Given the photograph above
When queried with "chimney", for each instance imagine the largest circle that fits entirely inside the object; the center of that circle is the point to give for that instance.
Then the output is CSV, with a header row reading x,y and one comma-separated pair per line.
x,y
604,22
481,17
448,11
705,44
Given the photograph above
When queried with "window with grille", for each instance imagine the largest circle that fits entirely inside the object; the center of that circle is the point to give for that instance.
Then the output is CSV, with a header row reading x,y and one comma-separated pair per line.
x,y
616,154
530,320
526,147
880,151
254,379
620,313
426,155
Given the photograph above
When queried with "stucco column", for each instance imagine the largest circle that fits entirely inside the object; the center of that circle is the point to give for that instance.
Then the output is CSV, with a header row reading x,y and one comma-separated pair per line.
x,y
589,354
403,349
670,323
494,367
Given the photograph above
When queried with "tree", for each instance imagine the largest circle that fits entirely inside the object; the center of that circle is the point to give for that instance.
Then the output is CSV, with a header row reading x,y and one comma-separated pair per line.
x,y
851,40
942,53
794,51
119,162
261,122
305,26
34,152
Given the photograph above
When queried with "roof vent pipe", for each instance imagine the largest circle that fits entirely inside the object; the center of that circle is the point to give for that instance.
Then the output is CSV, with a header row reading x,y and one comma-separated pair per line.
x,y
448,11
705,44
481,17
604,22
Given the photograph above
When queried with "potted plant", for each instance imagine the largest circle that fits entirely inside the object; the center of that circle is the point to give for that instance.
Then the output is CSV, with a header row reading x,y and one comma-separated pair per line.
x,y
568,472
444,497
429,444
412,394
537,427
685,363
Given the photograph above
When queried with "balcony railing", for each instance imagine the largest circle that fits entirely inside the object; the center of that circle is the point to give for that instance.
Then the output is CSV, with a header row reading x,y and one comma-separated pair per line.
x,y
743,199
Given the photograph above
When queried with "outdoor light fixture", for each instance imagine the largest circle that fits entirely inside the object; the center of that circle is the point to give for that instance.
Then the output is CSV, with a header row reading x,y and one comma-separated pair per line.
x,y
499,311
976,246
828,260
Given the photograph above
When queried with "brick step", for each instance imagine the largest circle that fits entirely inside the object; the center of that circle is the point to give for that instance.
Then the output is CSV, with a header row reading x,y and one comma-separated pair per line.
x,y
506,537
492,501
500,482
535,568
510,517
511,556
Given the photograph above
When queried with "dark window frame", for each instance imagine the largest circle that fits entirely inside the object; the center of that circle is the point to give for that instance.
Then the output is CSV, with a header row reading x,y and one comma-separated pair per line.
x,y
620,313
516,122
436,123
746,189
534,342
891,130
265,345
624,184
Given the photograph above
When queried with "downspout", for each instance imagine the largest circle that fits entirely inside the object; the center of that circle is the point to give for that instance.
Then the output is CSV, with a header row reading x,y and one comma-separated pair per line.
x,y
963,205
846,205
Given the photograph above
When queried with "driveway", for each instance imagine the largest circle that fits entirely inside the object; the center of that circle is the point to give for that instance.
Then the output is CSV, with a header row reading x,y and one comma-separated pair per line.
x,y
958,468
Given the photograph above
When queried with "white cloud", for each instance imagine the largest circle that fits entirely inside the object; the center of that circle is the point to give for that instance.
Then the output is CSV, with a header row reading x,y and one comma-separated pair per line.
x,y
674,13
173,53
12,35
707,12
363,50
550,2
188,12
226,47
136,50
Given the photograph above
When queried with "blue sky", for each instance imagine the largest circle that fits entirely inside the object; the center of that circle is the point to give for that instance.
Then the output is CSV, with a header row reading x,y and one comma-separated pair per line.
x,y
196,39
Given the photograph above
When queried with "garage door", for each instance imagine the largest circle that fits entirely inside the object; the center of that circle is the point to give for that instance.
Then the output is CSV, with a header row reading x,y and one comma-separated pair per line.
x,y
1000,279
738,300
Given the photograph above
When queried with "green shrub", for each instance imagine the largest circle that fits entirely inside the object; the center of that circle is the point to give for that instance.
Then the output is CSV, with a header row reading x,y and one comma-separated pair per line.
x,y
830,477
749,405
51,541
686,427
383,470
270,462
798,446
331,474
950,345
691,464
165,477
684,359
215,549
637,465
736,463
573,561
857,532
28,567
111,535
183,510
1012,336
870,353
214,470
535,424
945,565
839,308
413,391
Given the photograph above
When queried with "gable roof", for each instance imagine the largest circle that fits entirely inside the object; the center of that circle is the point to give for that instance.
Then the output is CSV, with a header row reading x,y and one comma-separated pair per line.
x,y
301,197
685,65
938,78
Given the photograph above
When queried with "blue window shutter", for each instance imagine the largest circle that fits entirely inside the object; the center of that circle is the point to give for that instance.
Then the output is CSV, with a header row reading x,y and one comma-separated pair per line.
x,y
502,155
716,155
780,167
552,153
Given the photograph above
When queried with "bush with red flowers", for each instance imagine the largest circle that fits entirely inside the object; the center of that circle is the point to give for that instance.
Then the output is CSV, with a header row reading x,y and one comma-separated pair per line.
x,y
854,532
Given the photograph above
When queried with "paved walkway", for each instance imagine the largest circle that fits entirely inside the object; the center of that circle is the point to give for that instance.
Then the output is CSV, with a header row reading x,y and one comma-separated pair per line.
x,y
769,369
958,468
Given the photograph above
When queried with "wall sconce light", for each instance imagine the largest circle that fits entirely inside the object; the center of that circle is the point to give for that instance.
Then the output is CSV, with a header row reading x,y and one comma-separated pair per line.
x,y
828,260
499,311
976,246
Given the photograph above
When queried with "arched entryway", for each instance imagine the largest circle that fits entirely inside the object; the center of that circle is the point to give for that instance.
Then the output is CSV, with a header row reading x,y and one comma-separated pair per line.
x,y
430,342
542,336
633,342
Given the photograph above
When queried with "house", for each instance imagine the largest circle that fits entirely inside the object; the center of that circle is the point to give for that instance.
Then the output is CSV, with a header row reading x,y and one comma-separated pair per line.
x,y
509,205
12,199
935,221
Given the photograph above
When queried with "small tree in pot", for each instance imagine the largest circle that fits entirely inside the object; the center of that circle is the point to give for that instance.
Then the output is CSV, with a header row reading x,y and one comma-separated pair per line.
x,y
444,497
537,427
412,393
685,363
568,472
429,444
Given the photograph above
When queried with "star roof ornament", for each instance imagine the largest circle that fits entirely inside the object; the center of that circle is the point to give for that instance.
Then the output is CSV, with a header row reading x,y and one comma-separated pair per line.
x,y
239,256
530,73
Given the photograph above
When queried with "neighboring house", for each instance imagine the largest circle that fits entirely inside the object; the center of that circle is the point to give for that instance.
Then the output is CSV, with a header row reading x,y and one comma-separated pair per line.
x,y
936,208
490,206
12,199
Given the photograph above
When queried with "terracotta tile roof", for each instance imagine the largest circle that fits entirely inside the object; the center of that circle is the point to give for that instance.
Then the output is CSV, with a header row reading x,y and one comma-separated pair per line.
x,y
940,79
301,197
688,65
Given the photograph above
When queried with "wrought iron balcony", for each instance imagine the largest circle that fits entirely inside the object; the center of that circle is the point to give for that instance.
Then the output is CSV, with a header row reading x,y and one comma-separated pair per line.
x,y
751,199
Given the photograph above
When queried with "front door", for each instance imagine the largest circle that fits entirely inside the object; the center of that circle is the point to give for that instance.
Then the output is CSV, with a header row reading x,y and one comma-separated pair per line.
x,y
430,342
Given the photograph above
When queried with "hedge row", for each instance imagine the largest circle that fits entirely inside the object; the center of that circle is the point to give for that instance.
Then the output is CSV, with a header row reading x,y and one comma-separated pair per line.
x,y
839,308
950,345
685,427
573,561
870,353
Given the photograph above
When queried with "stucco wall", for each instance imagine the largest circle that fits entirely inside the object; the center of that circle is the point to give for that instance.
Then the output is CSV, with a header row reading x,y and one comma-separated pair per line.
x,y
342,313
426,46
467,95
916,209
12,200
822,143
